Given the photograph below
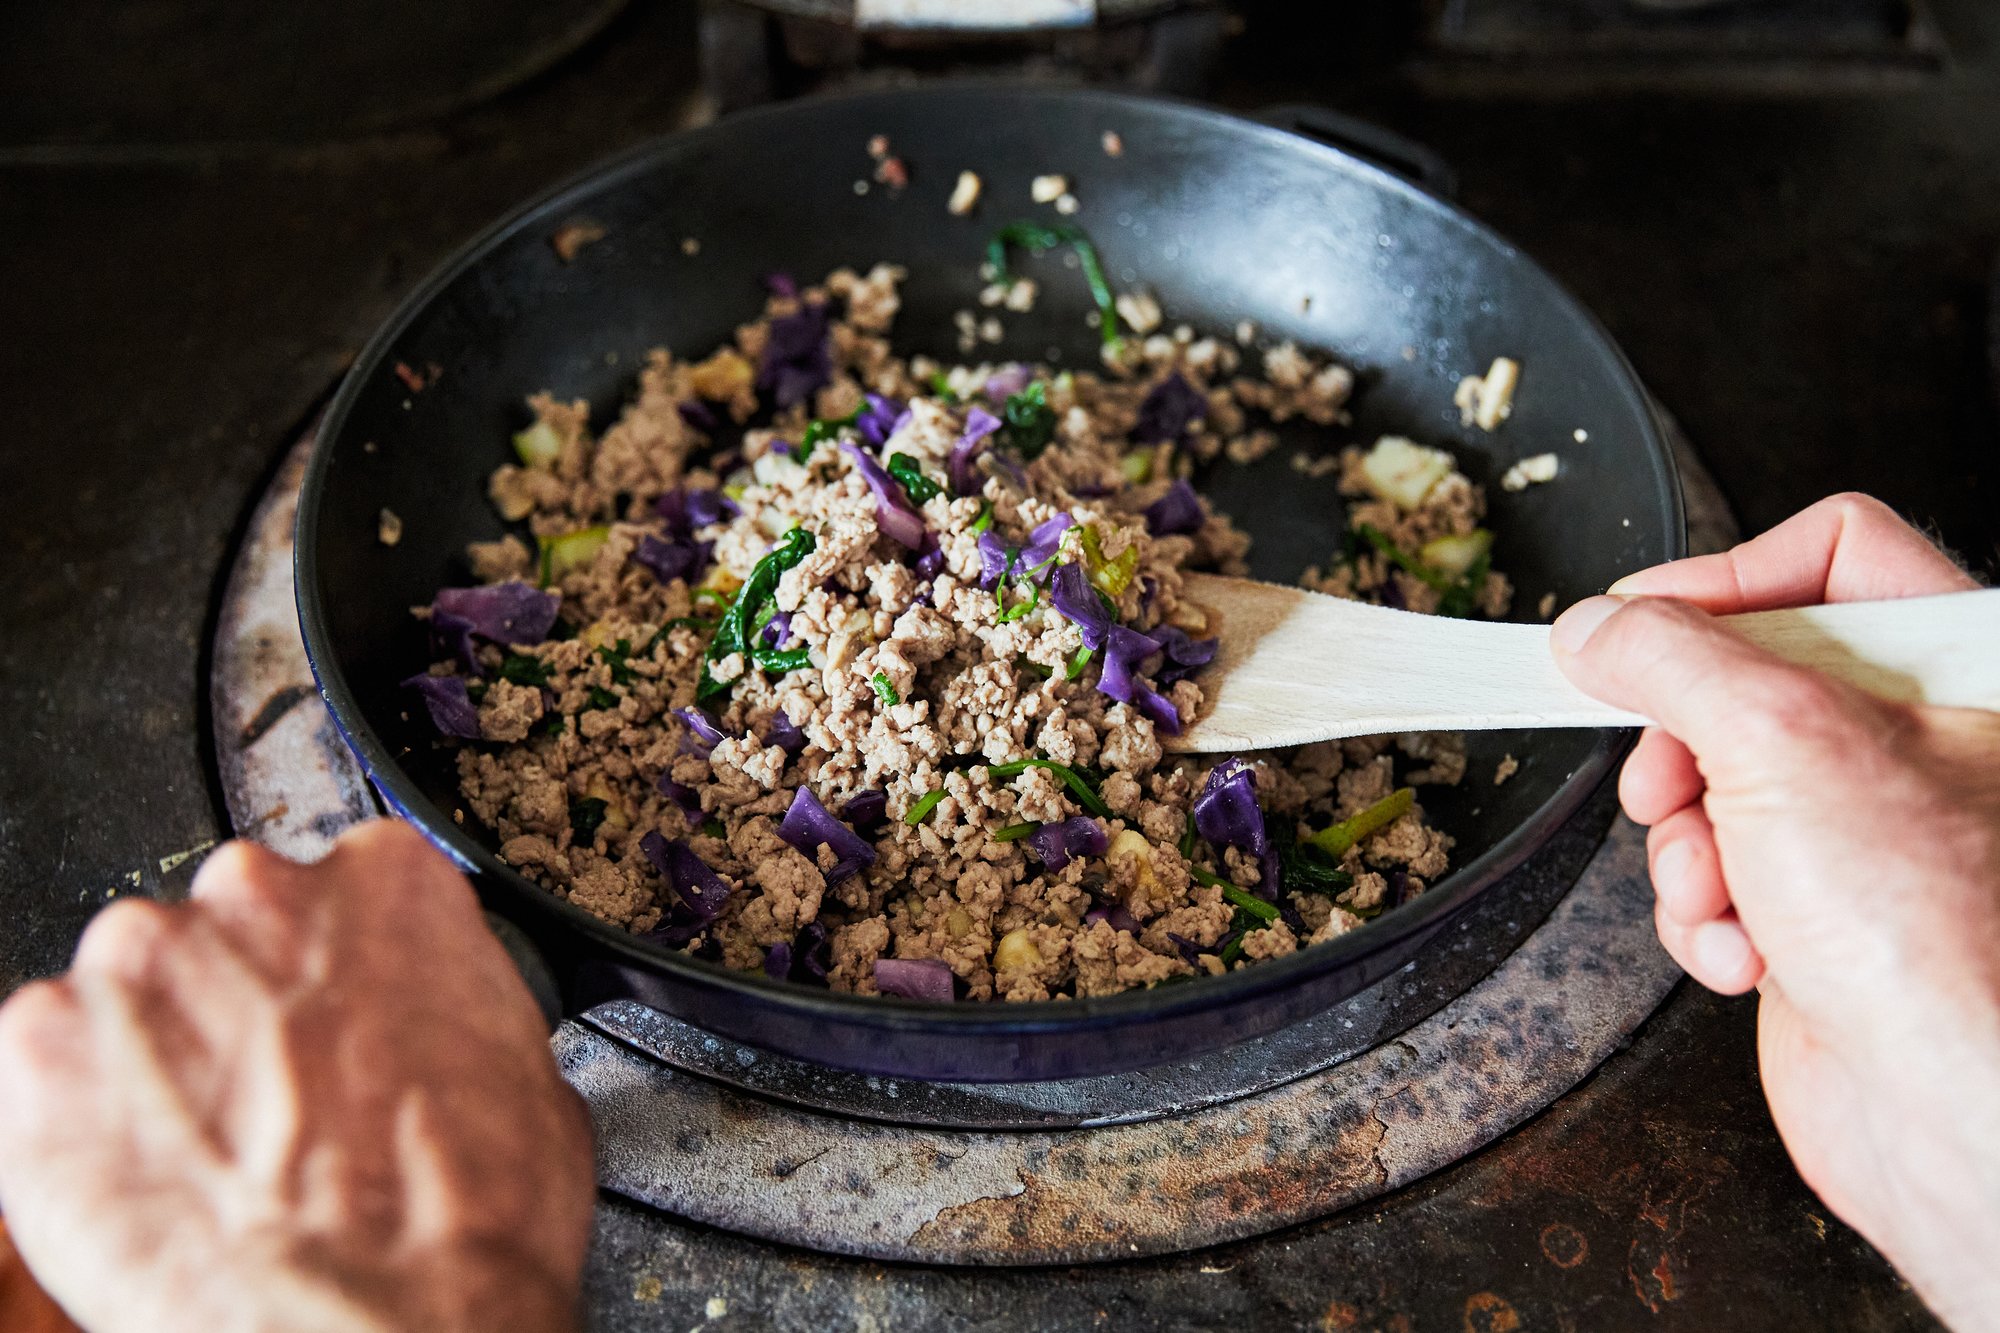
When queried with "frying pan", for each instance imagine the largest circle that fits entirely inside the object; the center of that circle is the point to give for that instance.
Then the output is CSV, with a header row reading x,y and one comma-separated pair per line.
x,y
1224,219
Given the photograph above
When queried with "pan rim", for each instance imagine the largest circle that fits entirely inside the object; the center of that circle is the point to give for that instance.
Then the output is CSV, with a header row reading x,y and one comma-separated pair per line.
x,y
1457,889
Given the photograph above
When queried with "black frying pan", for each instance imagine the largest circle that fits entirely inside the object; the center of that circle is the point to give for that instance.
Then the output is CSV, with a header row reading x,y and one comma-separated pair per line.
x,y
1225,219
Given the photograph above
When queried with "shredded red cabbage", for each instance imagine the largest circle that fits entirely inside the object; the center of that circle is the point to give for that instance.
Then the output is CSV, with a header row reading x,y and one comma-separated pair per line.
x,y
1079,835
1007,381
781,283
796,363
867,810
894,514
914,978
930,558
777,630
1119,918
1185,654
1071,590
879,419
684,796
778,960
979,424
1044,541
1226,814
1190,950
510,612
1168,410
1179,510
700,888
780,731
1125,651
807,825
451,708
686,508
706,733
452,635
699,415
809,950
670,560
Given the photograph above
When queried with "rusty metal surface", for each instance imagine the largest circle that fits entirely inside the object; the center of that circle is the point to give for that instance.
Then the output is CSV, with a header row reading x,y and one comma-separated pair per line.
x,y
288,778
1539,1023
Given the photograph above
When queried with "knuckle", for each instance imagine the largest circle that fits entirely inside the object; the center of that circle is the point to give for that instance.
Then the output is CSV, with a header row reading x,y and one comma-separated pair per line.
x,y
126,936
32,1017
236,866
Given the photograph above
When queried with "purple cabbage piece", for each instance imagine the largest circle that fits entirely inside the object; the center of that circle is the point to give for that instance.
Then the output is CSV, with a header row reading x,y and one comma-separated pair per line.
x,y
777,630
778,960
867,810
683,796
993,559
1167,411
796,364
1392,595
781,732
700,888
807,825
451,708
782,446
914,978
686,508
699,415
1226,814
1044,541
1079,835
670,560
1091,491
1189,950
809,950
1125,651
1116,914
979,424
1185,654
1040,549
510,612
930,558
1179,510
1007,381
1070,589
452,636
879,419
894,514
1149,588
706,734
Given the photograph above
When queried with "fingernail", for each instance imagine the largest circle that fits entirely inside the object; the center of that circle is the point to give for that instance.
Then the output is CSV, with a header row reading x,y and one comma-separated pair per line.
x,y
1575,626
1723,948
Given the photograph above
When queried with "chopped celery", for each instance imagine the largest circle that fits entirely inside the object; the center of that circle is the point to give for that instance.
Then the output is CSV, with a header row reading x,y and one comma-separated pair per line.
x,y
570,551
1335,839
538,445
1137,467
1402,471
1455,555
1112,577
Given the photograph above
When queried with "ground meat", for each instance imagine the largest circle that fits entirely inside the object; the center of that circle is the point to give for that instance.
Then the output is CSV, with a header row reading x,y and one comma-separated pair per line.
x,y
919,672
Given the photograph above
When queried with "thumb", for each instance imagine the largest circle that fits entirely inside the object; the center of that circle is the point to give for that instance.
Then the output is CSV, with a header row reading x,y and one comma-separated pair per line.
x,y
1735,705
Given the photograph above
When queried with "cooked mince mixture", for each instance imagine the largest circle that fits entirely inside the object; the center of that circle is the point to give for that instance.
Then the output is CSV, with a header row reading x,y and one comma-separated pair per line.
x,y
857,670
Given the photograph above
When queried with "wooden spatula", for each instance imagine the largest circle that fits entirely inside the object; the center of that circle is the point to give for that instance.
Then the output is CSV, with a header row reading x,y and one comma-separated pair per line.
x,y
1298,666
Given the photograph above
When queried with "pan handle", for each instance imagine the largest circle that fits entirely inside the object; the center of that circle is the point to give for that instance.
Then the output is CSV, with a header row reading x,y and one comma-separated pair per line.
x,y
532,964
1406,157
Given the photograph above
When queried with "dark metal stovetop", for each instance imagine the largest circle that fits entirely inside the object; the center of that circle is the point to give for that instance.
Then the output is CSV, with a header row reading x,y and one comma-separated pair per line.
x,y
1801,276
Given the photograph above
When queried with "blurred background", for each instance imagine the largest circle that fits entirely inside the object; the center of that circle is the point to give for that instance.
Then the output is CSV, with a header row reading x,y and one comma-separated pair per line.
x,y
1786,211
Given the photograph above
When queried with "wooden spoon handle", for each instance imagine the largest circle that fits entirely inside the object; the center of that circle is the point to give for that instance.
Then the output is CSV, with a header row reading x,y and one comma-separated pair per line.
x,y
1941,650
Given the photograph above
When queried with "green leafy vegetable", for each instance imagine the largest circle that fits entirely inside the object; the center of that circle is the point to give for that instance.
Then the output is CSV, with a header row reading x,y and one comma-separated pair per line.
x,y
1456,595
585,814
885,689
550,725
1040,236
823,428
915,484
599,697
921,810
713,828
1188,839
1079,786
1028,423
1303,867
616,656
521,669
1232,950
733,635
985,519
1077,663
1335,839
941,387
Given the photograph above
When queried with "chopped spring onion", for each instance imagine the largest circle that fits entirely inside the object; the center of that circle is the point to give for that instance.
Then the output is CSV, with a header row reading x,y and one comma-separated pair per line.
x,y
1077,664
921,810
1014,832
1245,901
1456,593
1080,787
885,689
985,519
616,656
823,428
521,669
1335,839
1039,236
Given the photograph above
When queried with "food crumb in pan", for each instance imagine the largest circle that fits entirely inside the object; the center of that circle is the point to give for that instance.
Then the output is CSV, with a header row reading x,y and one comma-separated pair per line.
x,y
1114,143
1139,310
964,194
878,147
1323,466
1546,608
1530,471
861,187
416,381
1487,400
388,527
1066,204
570,238
1506,768
690,245
892,172
1048,189
1246,332
1580,435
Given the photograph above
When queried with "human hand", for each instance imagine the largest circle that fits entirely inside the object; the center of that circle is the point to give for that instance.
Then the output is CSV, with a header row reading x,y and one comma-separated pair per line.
x,y
1840,853
313,1097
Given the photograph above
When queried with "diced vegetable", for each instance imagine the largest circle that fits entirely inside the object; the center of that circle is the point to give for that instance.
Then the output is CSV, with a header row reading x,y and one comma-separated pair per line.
x,y
915,484
1402,471
1030,423
1137,466
1055,844
914,978
1335,839
1168,410
1131,845
1013,832
510,612
1245,901
1085,794
979,425
1178,511
449,705
894,514
1016,952
571,551
701,890
1226,814
1113,576
538,446
585,815
885,689
807,825
922,809
734,633
796,363
866,810
1455,555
